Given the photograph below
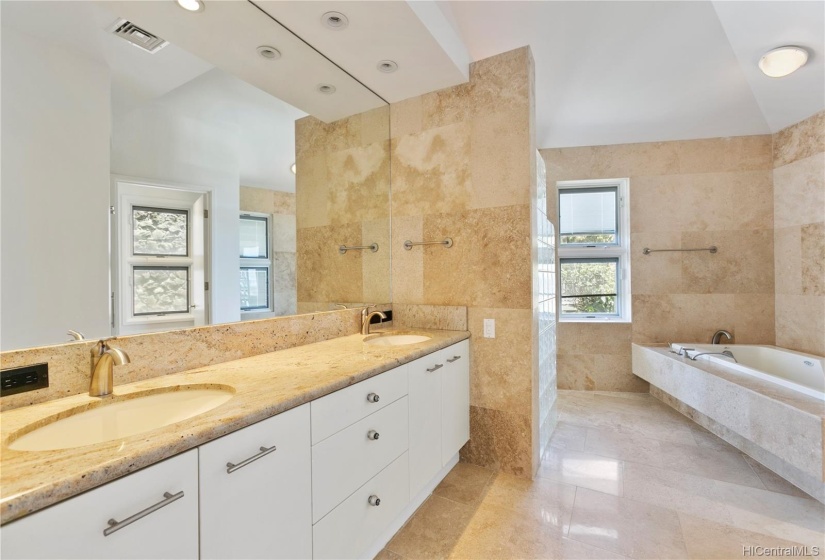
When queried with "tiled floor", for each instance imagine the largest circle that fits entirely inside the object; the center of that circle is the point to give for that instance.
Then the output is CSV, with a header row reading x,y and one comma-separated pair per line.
x,y
625,477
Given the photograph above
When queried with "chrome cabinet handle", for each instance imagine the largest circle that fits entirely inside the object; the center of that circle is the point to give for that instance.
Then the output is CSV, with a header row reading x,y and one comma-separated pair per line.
x,y
372,434
435,367
232,467
372,397
374,500
454,359
118,525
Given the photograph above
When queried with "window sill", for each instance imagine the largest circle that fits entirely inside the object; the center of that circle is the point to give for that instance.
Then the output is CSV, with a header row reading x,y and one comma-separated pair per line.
x,y
595,320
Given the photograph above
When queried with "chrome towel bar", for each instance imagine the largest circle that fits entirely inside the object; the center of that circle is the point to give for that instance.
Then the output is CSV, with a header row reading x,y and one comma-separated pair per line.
x,y
343,248
647,251
447,242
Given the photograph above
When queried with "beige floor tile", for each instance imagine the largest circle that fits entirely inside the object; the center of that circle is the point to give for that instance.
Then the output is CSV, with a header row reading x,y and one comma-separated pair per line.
x,y
718,464
582,469
773,481
706,540
705,438
568,436
625,526
465,484
616,445
678,491
546,500
433,530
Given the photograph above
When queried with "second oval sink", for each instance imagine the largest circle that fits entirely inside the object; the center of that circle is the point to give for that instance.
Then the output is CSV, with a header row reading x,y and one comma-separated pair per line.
x,y
396,339
122,418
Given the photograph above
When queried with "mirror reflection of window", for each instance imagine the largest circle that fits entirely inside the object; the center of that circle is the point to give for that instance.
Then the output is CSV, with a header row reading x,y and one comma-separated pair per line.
x,y
256,263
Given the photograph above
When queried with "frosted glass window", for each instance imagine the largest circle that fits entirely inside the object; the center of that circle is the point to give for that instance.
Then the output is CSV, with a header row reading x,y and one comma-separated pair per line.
x,y
589,286
588,216
254,237
254,288
160,290
160,231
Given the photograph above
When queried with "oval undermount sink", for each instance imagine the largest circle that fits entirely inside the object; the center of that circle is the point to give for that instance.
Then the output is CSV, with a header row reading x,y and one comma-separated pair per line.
x,y
122,418
396,339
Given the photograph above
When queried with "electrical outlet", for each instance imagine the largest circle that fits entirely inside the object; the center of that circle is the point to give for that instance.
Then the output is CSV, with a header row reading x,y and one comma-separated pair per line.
x,y
489,328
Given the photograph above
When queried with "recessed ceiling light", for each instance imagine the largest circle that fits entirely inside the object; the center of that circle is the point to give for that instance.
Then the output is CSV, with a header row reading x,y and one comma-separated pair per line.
x,y
387,66
782,61
191,5
269,52
294,169
335,20
326,88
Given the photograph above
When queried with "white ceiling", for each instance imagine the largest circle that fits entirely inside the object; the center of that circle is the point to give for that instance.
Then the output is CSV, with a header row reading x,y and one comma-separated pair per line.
x,y
621,72
416,35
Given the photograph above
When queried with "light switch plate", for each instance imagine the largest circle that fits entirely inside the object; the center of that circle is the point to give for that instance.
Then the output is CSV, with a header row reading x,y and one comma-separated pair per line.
x,y
489,328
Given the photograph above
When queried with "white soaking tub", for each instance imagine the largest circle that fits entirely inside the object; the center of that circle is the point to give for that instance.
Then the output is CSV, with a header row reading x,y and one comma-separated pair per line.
x,y
801,372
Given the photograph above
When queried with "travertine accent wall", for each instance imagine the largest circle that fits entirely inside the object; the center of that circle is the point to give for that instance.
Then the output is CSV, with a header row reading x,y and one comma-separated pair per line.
x,y
163,353
799,235
281,205
342,198
462,167
693,193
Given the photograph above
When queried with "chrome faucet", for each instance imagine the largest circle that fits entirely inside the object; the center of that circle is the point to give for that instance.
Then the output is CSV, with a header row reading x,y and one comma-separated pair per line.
x,y
102,370
725,353
717,336
75,335
366,317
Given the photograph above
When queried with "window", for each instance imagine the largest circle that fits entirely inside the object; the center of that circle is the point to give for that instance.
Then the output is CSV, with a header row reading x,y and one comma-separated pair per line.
x,y
256,263
594,238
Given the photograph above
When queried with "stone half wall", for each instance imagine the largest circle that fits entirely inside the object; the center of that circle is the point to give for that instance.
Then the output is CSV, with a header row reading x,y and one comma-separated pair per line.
x,y
463,167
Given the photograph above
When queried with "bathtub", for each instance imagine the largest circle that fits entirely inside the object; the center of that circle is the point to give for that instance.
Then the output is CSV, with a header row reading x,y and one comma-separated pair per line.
x,y
804,373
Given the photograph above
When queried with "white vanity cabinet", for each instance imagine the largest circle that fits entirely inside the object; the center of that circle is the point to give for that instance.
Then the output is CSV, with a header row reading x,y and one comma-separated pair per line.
x,y
255,486
439,411
152,513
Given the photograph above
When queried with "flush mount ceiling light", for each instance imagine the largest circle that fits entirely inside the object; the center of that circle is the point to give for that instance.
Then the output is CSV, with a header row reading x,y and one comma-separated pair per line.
x,y
387,66
191,5
269,52
335,20
294,169
782,61
328,89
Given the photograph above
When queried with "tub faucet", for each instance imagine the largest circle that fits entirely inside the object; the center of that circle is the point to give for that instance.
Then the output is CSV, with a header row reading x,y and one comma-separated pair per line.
x,y
717,336
726,353
107,356
366,317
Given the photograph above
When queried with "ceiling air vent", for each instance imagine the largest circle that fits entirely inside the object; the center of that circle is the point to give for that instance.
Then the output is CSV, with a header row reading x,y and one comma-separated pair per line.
x,y
137,36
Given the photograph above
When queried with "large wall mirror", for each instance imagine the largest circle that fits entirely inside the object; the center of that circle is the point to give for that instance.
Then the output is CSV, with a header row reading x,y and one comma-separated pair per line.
x,y
165,169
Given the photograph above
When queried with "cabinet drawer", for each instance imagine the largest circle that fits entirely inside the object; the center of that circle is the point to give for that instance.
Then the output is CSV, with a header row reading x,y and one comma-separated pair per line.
x,y
74,528
345,461
354,525
334,412
261,509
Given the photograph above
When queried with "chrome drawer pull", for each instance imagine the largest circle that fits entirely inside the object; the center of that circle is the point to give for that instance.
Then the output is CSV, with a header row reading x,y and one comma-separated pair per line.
x,y
372,397
232,467
118,525
435,367
374,500
372,434
454,359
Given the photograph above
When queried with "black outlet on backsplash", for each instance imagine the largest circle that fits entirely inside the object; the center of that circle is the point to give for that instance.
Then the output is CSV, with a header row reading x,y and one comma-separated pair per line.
x,y
377,319
24,378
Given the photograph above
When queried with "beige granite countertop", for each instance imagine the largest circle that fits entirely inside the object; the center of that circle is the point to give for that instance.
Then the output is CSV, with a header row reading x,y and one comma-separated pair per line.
x,y
264,386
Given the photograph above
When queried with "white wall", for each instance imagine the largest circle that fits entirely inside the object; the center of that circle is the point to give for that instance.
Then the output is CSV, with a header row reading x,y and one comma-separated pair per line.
x,y
170,142
54,187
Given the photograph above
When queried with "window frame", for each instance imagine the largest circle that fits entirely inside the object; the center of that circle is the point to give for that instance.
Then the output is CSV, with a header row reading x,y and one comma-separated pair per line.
x,y
259,262
619,251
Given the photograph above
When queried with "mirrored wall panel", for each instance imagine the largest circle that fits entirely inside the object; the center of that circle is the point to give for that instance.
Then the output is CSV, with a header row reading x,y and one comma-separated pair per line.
x,y
165,169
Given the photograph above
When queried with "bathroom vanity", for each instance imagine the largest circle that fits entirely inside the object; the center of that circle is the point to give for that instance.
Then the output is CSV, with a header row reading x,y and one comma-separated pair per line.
x,y
322,457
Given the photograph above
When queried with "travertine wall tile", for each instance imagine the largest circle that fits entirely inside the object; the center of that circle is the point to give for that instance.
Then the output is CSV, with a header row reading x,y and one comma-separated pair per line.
x,y
799,235
800,140
254,199
450,318
461,165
